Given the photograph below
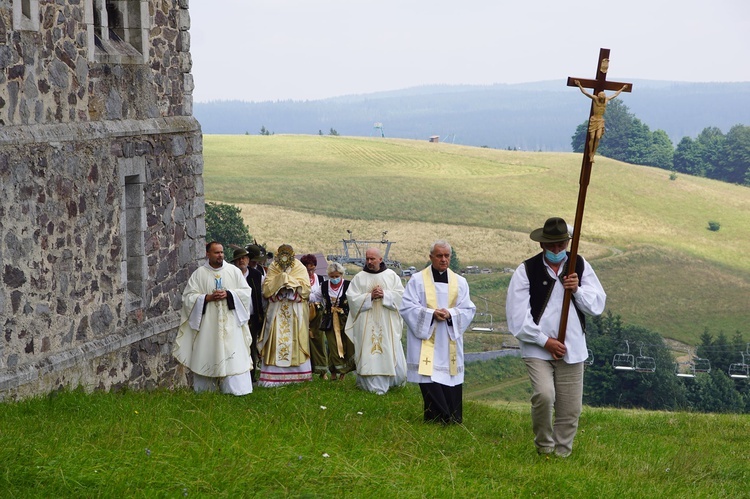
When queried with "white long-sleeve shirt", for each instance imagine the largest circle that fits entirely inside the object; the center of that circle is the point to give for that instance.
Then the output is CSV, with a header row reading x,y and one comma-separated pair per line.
x,y
590,299
316,295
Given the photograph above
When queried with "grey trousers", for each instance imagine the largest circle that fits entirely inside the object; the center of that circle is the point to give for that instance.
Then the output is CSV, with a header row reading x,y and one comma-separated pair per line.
x,y
555,404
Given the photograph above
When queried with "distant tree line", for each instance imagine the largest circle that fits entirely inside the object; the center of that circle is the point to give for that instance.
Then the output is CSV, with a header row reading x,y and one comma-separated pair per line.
x,y
712,154
531,117
661,389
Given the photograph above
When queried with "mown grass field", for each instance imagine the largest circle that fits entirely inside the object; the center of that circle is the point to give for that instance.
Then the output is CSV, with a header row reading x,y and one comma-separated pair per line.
x,y
329,439
646,234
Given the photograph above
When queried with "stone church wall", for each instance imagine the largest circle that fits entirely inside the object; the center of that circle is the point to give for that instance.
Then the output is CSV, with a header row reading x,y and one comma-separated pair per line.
x,y
101,193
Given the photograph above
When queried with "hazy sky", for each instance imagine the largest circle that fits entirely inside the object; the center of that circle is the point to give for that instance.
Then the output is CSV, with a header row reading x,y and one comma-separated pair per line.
x,y
258,50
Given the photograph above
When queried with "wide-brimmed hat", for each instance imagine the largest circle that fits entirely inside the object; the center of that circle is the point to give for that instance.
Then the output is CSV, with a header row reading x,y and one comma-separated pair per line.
x,y
555,230
256,253
238,253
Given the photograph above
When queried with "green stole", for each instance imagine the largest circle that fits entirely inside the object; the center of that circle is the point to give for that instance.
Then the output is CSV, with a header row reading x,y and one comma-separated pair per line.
x,y
427,352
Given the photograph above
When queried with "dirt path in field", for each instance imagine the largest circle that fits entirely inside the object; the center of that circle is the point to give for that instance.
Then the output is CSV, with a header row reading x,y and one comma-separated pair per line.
x,y
496,388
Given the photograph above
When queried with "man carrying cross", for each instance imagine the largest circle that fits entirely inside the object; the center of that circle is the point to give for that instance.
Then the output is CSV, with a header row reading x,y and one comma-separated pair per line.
x,y
538,310
534,306
437,310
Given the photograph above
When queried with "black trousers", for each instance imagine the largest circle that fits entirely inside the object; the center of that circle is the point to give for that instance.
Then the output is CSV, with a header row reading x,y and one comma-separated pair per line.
x,y
442,404
254,354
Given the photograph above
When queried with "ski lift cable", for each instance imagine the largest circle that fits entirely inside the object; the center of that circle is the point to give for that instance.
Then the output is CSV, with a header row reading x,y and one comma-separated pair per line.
x,y
711,348
489,301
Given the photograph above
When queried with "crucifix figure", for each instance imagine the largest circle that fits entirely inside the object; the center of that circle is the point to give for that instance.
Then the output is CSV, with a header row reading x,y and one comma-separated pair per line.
x,y
594,134
599,101
596,120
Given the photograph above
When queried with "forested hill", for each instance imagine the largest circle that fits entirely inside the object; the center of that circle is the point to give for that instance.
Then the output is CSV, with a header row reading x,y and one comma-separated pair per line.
x,y
530,116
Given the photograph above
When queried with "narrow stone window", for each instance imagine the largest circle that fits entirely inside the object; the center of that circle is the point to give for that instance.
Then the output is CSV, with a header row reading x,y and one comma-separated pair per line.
x,y
133,230
118,31
26,15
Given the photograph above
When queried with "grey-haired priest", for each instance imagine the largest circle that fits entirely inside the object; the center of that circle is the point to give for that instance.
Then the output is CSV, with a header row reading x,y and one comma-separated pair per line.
x,y
533,309
437,310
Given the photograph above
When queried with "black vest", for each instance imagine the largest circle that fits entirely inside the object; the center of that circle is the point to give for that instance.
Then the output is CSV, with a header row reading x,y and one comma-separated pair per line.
x,y
254,281
541,284
326,292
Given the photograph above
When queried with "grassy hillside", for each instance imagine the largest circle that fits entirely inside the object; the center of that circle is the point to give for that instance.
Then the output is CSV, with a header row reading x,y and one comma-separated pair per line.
x,y
326,439
646,234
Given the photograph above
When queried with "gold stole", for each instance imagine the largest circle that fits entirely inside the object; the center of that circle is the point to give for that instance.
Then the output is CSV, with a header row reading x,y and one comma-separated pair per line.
x,y
285,325
427,353
335,311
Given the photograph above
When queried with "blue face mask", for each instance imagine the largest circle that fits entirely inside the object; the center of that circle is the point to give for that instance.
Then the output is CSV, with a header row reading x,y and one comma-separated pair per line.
x,y
335,280
554,257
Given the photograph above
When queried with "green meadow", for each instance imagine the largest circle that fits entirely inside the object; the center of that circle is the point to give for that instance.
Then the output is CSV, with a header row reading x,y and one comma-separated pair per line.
x,y
646,235
329,439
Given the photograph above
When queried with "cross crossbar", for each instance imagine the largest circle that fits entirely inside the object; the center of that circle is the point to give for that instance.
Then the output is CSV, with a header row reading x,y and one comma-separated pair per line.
x,y
601,83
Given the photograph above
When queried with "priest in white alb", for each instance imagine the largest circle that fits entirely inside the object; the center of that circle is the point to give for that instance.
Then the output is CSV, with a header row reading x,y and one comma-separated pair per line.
x,y
437,310
214,338
374,325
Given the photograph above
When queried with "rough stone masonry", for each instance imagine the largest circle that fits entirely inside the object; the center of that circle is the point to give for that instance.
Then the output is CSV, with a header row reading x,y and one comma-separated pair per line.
x,y
101,192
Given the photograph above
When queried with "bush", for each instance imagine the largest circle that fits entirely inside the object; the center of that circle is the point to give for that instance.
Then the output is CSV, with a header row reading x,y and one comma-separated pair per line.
x,y
715,392
713,225
225,225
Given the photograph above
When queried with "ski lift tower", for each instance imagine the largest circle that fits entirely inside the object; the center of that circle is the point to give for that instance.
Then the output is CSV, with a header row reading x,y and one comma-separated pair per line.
x,y
353,251
378,127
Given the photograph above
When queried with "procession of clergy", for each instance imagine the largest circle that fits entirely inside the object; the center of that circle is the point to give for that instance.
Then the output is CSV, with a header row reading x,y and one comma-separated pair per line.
x,y
216,343
308,325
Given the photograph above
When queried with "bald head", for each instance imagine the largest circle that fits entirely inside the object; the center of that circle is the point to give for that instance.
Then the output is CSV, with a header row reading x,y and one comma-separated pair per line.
x,y
373,259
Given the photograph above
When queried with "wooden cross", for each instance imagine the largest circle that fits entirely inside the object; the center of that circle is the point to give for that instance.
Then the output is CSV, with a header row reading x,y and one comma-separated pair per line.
x,y
600,84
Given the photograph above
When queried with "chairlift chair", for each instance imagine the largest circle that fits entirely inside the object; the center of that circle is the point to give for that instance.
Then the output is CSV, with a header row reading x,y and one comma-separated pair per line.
x,y
590,359
702,365
739,370
624,361
644,363
483,329
685,369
